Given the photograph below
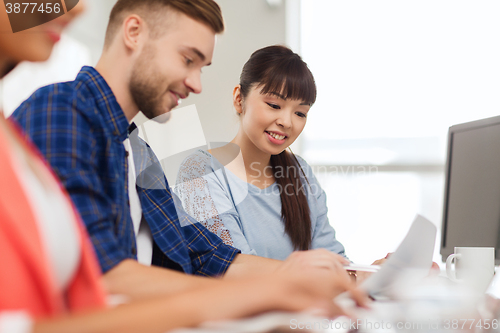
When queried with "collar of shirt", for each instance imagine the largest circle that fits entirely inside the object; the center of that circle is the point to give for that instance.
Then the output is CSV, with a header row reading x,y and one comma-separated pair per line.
x,y
113,114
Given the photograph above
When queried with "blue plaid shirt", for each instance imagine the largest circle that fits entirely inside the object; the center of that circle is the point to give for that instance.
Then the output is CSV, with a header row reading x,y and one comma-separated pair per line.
x,y
79,127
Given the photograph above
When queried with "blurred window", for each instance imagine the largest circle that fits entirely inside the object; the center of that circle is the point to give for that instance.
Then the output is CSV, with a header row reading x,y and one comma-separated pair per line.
x,y
392,76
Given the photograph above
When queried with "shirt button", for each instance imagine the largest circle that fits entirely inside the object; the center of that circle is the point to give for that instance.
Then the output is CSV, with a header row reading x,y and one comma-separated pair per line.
x,y
134,251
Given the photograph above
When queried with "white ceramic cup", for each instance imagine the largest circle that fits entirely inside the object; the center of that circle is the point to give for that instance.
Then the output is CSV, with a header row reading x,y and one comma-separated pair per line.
x,y
474,266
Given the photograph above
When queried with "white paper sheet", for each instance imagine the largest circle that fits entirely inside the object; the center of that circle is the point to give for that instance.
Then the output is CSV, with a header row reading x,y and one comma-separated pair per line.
x,y
413,258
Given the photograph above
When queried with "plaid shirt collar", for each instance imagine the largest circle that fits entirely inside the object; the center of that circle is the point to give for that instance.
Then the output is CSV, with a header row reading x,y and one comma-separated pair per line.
x,y
114,117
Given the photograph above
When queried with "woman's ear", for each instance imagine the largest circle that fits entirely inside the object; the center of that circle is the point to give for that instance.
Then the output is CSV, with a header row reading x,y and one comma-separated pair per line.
x,y
237,99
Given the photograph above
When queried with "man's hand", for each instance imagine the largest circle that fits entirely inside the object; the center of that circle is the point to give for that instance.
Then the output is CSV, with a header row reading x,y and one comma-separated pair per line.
x,y
245,265
319,258
328,277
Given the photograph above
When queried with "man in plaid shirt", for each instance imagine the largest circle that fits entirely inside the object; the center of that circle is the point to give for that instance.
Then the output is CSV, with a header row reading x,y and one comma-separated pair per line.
x,y
153,55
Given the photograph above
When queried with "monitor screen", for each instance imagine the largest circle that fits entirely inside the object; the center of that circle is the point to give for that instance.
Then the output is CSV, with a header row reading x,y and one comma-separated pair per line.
x,y
471,214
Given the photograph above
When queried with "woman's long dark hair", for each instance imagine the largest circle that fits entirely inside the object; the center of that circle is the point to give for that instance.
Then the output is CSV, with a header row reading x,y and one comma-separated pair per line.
x,y
277,69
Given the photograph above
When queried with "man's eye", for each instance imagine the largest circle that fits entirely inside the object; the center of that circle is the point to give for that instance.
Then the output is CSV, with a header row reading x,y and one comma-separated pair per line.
x,y
301,114
188,61
274,106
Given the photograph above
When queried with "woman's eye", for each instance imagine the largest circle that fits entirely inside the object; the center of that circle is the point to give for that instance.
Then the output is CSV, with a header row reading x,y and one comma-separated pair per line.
x,y
274,106
188,61
301,114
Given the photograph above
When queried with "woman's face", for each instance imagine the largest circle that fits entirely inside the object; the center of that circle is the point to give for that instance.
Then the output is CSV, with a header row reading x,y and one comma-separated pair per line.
x,y
34,44
270,122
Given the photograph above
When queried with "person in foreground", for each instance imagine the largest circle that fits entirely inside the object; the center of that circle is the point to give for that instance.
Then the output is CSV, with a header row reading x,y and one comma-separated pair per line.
x,y
153,55
51,281
254,193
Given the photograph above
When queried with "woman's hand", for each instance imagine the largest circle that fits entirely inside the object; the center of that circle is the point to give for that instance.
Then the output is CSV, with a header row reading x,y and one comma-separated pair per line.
x,y
362,276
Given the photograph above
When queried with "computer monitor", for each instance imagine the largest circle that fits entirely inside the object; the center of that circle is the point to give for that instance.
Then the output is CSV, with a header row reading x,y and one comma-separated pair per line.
x,y
471,214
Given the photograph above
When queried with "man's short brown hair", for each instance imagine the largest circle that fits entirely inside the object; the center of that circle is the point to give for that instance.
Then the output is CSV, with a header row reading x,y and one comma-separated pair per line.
x,y
153,12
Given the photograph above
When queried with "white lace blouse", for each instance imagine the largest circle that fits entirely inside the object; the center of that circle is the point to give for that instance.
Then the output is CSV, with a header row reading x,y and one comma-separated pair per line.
x,y
245,216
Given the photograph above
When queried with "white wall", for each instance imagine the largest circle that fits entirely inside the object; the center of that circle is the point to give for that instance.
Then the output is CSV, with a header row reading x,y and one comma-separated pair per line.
x,y
90,27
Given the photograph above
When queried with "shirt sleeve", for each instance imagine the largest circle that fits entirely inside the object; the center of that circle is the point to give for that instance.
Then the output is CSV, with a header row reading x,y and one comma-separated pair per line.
x,y
15,322
324,235
65,138
205,199
209,255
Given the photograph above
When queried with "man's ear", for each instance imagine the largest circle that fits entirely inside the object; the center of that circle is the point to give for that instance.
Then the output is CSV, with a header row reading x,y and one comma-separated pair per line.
x,y
238,99
133,30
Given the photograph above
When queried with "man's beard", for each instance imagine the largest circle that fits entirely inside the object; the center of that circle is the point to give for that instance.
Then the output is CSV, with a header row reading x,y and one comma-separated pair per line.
x,y
145,88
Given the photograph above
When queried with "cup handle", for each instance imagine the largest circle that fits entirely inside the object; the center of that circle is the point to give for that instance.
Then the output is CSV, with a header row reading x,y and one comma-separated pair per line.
x,y
449,272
